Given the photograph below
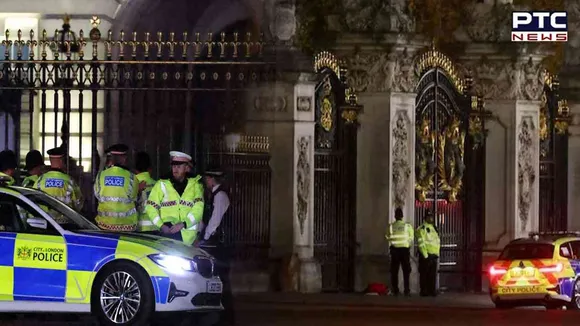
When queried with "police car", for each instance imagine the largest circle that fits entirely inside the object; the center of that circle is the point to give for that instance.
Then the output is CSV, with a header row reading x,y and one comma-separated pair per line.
x,y
54,260
542,270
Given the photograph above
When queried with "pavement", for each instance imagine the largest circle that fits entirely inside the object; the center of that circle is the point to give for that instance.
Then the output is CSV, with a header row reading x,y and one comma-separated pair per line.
x,y
356,300
293,309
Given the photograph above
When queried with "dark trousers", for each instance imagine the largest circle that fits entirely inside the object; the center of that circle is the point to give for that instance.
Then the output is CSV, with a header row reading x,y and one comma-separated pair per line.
x,y
222,256
400,258
428,275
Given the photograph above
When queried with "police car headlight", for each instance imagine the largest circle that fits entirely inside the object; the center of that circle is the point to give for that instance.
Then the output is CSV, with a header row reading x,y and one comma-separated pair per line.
x,y
173,263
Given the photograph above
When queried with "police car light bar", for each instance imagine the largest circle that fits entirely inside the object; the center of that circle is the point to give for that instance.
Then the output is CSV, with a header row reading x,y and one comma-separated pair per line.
x,y
556,233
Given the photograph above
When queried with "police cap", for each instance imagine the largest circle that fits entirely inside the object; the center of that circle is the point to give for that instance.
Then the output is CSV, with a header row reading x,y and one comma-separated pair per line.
x,y
56,152
179,158
33,159
8,160
117,149
213,171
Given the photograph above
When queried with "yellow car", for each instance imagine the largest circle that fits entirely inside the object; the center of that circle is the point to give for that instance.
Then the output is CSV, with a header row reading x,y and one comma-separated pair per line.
x,y
61,262
541,270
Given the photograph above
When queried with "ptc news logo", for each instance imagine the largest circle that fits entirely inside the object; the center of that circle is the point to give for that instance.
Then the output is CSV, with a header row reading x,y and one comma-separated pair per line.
x,y
539,26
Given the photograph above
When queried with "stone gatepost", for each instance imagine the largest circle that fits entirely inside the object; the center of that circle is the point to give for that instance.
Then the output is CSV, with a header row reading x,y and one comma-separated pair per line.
x,y
385,82
284,111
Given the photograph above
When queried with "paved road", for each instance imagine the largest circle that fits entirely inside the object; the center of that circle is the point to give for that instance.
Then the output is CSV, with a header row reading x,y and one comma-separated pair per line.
x,y
356,310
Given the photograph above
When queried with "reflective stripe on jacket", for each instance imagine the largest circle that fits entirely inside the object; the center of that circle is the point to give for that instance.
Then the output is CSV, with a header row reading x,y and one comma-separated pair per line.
x,y
145,223
165,205
116,190
61,186
428,240
400,234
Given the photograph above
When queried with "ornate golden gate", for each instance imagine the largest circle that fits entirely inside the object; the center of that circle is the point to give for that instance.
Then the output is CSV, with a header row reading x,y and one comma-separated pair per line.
x,y
335,175
450,168
554,119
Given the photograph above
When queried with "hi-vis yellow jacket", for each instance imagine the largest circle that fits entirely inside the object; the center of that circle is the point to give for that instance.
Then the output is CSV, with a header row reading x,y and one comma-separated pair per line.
x,y
61,186
116,189
145,223
165,205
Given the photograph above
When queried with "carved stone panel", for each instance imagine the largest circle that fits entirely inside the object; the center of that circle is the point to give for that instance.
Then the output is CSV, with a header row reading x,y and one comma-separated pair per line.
x,y
505,80
526,176
304,103
303,178
382,72
401,168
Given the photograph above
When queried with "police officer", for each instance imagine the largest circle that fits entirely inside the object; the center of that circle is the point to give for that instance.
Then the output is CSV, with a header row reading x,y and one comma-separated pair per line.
x,y
429,247
57,183
400,238
116,190
143,171
34,167
175,204
212,237
8,165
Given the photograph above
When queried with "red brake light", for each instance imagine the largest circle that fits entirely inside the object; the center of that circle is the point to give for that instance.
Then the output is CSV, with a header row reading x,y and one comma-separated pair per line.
x,y
494,271
552,269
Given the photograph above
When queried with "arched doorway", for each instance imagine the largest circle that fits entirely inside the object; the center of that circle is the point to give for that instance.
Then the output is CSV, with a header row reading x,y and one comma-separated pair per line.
x,y
450,179
334,175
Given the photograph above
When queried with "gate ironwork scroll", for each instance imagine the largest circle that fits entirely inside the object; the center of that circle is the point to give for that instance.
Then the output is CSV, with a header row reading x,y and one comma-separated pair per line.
x,y
450,149
554,120
153,92
334,175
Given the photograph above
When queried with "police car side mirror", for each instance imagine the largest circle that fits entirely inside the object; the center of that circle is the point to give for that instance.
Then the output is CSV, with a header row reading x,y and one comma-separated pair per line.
x,y
37,223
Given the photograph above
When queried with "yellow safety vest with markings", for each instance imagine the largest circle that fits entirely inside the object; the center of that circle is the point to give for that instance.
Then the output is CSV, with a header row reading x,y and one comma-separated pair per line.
x,y
116,190
165,205
11,182
61,186
400,234
29,181
428,240
145,223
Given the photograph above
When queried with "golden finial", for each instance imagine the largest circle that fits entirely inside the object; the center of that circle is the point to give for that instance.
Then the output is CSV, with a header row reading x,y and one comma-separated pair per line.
x,y
248,44
184,45
171,44
82,43
146,44
197,45
66,19
133,45
235,45
222,45
210,44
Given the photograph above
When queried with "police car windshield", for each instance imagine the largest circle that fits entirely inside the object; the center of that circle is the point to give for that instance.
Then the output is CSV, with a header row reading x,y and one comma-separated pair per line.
x,y
527,251
66,217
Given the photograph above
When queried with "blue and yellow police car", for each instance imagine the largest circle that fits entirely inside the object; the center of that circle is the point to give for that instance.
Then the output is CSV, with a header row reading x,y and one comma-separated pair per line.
x,y
542,270
54,260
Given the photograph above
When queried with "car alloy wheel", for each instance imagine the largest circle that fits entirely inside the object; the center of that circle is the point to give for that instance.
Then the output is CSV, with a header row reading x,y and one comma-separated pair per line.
x,y
576,298
120,297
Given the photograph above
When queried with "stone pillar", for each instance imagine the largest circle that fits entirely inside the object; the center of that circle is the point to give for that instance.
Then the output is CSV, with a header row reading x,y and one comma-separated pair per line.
x,y
525,169
309,274
385,83
284,111
402,165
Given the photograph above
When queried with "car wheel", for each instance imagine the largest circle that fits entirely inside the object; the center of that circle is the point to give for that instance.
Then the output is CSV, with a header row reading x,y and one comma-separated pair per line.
x,y
575,302
122,295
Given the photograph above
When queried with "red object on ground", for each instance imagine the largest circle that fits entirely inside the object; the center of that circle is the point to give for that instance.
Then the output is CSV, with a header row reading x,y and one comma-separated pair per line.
x,y
377,288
